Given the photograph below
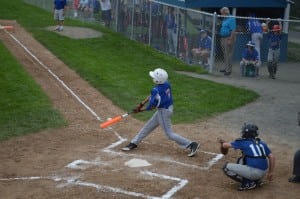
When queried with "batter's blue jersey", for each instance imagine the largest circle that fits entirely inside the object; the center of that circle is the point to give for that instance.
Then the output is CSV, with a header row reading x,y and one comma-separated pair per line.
x,y
161,96
255,153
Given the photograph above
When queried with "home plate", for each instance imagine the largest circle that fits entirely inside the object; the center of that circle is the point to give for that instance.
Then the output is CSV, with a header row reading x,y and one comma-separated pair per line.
x,y
137,163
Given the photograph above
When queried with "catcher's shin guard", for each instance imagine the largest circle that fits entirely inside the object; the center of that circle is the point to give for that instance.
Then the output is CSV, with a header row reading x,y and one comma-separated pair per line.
x,y
232,175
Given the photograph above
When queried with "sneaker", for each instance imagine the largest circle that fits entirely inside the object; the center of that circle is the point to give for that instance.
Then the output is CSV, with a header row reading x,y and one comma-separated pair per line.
x,y
259,183
56,28
227,73
294,179
194,146
61,28
247,186
129,147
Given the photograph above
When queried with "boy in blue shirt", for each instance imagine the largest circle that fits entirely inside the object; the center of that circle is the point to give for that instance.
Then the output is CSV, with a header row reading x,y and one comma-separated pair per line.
x,y
256,161
59,13
161,99
250,57
274,38
202,52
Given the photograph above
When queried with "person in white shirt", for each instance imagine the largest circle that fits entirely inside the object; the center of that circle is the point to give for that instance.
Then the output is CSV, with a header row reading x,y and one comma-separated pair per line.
x,y
106,11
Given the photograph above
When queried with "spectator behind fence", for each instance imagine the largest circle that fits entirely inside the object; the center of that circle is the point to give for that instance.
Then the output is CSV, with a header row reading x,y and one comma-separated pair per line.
x,y
59,13
170,24
272,22
250,59
227,34
256,31
274,37
106,12
84,7
75,7
202,52
296,168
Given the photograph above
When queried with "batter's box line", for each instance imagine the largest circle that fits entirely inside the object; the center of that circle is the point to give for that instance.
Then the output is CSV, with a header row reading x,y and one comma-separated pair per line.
x,y
210,163
74,181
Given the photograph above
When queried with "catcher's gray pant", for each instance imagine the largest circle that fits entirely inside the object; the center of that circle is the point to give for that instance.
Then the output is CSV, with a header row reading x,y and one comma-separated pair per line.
x,y
296,170
161,117
234,170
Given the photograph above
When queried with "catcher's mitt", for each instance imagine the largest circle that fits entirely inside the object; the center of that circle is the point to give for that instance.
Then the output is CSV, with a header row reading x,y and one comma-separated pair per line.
x,y
223,150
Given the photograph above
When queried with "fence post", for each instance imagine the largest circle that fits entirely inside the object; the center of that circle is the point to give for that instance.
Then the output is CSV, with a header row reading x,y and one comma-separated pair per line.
x,y
150,23
117,15
132,19
213,41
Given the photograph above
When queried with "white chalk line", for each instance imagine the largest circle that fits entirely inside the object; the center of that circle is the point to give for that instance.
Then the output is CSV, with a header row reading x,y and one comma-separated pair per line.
x,y
74,180
55,76
210,163
121,140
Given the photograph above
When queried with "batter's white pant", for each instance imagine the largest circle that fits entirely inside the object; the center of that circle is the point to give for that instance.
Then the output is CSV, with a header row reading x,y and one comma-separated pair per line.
x,y
162,117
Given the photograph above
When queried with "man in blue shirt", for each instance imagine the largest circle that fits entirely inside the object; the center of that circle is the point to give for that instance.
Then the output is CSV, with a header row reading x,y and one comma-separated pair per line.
x,y
59,13
250,57
256,30
256,161
161,99
227,34
202,52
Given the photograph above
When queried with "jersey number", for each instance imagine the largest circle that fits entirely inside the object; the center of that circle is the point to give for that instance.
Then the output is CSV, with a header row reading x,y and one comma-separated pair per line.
x,y
258,150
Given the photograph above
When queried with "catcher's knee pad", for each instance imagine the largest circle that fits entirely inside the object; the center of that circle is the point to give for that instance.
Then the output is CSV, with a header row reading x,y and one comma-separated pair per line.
x,y
232,175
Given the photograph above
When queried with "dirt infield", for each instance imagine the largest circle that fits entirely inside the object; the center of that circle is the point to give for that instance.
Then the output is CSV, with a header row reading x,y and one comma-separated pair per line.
x,y
84,161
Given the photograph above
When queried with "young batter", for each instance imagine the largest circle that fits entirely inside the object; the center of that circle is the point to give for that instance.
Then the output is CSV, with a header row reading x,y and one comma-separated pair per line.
x,y
161,100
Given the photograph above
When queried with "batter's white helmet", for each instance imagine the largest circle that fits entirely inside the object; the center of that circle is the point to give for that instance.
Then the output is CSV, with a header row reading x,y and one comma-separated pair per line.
x,y
159,76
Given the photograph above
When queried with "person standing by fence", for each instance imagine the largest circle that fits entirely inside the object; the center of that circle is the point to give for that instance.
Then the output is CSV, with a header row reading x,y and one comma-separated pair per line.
x,y
106,12
256,31
227,34
274,37
59,13
170,24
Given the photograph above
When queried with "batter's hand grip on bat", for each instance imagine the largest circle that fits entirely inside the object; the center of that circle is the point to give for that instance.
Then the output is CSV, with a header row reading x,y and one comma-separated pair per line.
x,y
111,121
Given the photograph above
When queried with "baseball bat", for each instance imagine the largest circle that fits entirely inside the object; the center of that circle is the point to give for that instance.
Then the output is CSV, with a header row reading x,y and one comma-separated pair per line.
x,y
113,120
120,117
6,27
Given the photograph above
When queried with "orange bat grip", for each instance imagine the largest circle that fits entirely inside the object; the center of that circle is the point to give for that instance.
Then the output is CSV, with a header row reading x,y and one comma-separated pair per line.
x,y
110,122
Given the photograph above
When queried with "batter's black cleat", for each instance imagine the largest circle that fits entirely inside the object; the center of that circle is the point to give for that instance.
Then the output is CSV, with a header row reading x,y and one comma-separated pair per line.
x,y
129,147
194,146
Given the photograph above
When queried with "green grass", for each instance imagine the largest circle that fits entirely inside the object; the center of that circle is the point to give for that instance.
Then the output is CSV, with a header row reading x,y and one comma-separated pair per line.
x,y
119,67
24,106
293,52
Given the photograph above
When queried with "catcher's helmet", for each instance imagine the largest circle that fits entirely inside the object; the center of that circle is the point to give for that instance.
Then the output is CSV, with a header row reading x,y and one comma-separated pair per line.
x,y
249,131
159,76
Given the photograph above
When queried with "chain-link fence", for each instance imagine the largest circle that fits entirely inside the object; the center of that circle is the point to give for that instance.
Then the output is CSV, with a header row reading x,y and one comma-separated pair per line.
x,y
180,32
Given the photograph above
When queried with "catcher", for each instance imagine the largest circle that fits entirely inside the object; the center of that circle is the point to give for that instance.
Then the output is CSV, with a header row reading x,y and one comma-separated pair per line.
x,y
256,161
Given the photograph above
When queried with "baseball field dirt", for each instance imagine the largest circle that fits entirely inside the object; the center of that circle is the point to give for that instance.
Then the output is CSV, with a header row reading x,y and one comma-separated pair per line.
x,y
84,161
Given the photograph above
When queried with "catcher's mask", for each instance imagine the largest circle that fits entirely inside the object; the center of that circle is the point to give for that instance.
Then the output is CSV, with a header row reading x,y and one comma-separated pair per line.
x,y
249,131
